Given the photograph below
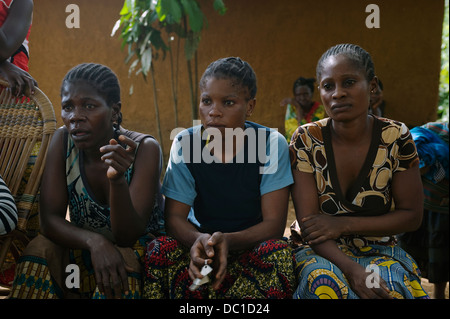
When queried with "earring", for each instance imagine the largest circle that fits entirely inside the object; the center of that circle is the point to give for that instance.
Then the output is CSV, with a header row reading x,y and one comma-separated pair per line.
x,y
116,128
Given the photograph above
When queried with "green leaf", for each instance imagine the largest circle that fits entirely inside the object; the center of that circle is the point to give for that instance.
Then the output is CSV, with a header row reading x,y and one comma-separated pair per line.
x,y
170,10
160,11
194,14
191,45
146,61
219,6
125,8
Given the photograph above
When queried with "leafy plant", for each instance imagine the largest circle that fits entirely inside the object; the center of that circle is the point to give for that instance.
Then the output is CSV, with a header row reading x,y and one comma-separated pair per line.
x,y
443,108
148,30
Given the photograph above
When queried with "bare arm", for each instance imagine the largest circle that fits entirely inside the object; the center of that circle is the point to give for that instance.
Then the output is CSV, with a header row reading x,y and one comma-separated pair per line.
x,y
12,33
109,267
306,203
15,28
131,206
54,201
407,216
407,192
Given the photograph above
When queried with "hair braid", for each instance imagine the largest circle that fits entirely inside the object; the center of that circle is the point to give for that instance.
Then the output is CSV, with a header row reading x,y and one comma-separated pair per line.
x,y
232,68
352,51
99,76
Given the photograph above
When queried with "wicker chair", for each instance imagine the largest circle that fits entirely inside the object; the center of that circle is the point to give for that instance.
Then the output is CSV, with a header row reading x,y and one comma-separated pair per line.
x,y
26,127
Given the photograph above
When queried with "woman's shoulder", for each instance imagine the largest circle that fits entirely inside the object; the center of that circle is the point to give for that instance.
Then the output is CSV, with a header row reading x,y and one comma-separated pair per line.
x,y
59,136
311,130
392,130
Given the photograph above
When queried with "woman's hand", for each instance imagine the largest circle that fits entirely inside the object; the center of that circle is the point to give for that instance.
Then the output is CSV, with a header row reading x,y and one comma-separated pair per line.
x,y
117,157
318,228
214,250
20,82
110,269
363,286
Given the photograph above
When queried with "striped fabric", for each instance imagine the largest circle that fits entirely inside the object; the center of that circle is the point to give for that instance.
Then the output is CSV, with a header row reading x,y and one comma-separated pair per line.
x,y
8,209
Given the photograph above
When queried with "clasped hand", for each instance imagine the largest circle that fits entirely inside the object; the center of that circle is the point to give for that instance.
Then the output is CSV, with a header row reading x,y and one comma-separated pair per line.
x,y
214,250
316,229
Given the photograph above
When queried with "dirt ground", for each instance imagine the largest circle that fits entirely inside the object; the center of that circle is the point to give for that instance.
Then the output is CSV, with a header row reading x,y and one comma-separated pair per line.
x,y
425,284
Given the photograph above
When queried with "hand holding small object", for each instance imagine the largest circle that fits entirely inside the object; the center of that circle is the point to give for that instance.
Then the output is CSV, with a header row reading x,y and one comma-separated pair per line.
x,y
204,272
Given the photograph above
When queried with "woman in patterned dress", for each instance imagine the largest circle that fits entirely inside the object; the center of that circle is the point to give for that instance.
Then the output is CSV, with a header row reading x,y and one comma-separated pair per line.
x,y
109,179
357,185
301,109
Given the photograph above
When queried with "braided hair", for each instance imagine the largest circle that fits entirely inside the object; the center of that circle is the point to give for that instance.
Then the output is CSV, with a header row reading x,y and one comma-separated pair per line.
x,y
232,68
352,51
301,81
99,76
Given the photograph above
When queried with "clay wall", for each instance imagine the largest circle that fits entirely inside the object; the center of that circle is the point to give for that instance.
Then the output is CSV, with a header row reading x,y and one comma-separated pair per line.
x,y
280,39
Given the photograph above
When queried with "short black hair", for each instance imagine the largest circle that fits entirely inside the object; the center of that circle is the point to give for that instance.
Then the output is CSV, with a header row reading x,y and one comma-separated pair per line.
x,y
234,68
352,51
99,76
301,81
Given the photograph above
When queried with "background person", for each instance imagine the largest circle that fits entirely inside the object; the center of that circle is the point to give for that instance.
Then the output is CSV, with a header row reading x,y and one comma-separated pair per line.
x,y
301,109
430,243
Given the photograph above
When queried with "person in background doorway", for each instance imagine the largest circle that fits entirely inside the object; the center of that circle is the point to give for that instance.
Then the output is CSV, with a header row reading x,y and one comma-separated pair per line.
x,y
301,109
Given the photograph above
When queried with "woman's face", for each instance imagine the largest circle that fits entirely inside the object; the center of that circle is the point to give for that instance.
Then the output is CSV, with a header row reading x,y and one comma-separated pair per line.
x,y
344,89
86,115
303,95
223,104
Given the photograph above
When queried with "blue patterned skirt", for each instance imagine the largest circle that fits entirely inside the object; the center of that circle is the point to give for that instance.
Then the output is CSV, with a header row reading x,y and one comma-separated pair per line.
x,y
320,279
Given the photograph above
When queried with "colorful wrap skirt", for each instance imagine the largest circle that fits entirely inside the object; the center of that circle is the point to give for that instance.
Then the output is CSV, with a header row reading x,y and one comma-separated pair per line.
x,y
266,271
42,272
320,279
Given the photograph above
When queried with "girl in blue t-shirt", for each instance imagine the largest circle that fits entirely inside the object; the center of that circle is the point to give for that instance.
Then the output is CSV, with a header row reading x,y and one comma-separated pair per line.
x,y
226,187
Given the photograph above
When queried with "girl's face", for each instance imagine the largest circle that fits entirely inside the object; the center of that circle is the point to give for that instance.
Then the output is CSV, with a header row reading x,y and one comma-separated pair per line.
x,y
303,95
344,89
86,115
224,104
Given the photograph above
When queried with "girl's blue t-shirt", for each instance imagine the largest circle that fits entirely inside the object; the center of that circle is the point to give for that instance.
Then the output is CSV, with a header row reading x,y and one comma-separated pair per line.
x,y
226,196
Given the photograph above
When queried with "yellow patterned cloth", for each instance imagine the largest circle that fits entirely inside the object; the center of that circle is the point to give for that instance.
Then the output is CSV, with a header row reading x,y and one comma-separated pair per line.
x,y
392,150
291,123
41,272
321,279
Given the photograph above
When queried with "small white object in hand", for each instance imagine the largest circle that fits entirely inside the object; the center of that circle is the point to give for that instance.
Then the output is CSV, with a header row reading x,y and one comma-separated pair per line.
x,y
198,282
